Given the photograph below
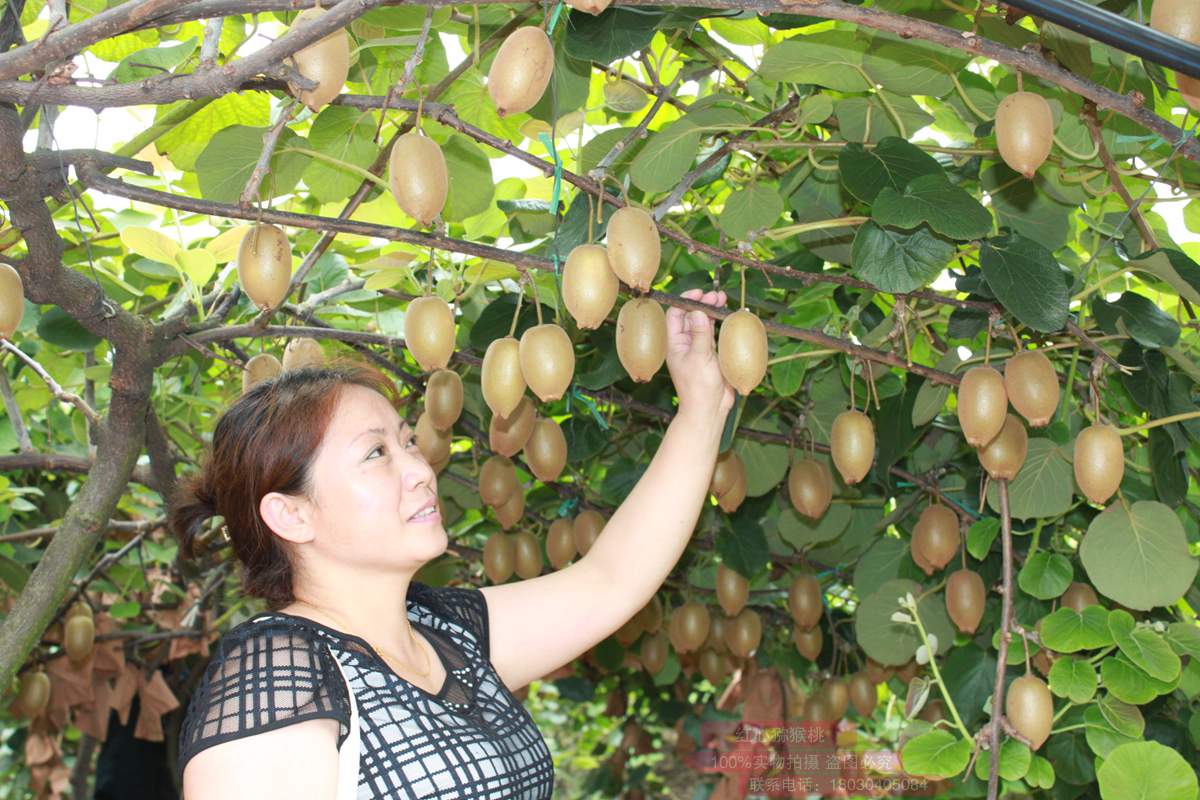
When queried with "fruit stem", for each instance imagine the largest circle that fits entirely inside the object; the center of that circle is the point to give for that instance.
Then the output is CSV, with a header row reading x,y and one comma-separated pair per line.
x,y
512,329
821,224
937,675
1157,422
1002,654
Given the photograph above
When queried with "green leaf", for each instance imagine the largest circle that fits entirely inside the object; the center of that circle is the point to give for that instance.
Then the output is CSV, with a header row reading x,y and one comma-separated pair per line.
x,y
60,329
752,208
893,162
1101,736
1015,759
1184,638
948,210
815,108
786,376
666,157
1045,575
833,60
1044,486
912,68
184,143
936,754
1020,205
980,536
471,186
1174,267
1130,683
1146,771
1073,678
226,164
743,546
153,61
1138,557
766,465
197,264
931,396
1124,718
1068,631
12,574
1027,280
150,244
1040,774
343,134
890,642
125,609
895,261
614,33
1143,646
1137,316
802,533
867,119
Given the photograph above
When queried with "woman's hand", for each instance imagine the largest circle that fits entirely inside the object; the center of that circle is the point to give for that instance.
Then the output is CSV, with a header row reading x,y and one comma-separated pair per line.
x,y
692,360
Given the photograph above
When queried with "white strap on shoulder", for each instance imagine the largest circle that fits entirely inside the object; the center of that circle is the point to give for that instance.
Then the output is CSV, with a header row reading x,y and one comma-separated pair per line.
x,y
348,755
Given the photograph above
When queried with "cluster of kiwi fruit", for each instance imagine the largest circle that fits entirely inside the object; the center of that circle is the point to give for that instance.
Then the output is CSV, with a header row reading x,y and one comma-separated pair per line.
x,y
806,605
728,482
12,301
1024,131
1030,384
1181,19
325,62
298,353
506,553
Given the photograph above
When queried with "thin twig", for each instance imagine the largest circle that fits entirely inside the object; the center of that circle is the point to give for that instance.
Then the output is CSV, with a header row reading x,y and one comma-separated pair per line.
x,y
58,391
1002,656
212,43
24,443
410,66
1089,117
270,139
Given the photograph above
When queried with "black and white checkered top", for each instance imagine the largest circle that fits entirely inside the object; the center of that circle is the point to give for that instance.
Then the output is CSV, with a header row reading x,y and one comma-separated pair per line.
x,y
471,740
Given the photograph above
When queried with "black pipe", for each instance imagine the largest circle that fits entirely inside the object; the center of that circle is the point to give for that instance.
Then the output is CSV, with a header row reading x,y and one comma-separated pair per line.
x,y
1113,29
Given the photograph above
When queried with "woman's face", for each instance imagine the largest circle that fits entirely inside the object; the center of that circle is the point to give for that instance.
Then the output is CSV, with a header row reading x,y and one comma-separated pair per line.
x,y
375,495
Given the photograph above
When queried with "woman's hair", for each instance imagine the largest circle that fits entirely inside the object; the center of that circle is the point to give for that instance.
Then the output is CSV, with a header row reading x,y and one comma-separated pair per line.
x,y
265,442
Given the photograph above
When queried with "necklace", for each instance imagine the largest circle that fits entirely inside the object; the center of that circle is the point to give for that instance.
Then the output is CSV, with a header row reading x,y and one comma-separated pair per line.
x,y
411,638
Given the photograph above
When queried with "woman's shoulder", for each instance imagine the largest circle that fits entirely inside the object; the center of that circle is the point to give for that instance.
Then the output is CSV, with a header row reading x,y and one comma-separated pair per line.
x,y
265,672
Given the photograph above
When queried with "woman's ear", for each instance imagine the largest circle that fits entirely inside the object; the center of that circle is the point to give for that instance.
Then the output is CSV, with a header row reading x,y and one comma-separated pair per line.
x,y
288,516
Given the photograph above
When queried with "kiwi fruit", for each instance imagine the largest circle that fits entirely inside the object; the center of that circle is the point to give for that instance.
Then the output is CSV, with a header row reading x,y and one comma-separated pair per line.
x,y
587,528
675,633
808,641
744,633
418,177
936,536
34,694
509,512
80,608
838,694
732,590
965,599
852,445
527,555
264,265
863,694
12,301
650,615
592,7
982,404
1004,456
725,472
693,624
79,637
1099,461
547,360
810,487
641,338
507,435
716,634
302,352
429,331
326,62
804,601
742,351
908,670
258,369
546,450
1030,708
497,481
1032,386
499,557
818,709
634,248
628,633
731,501
560,543
520,71
433,444
654,652
1024,131
1079,596
589,286
444,398
918,557
877,672
712,667
501,379
933,711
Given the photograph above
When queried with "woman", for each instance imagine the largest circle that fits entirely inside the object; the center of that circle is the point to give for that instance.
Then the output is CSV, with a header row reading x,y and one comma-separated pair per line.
x,y
341,691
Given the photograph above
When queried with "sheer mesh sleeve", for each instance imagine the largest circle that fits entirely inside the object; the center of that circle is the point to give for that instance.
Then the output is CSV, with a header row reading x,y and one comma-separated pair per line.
x,y
263,677
470,607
